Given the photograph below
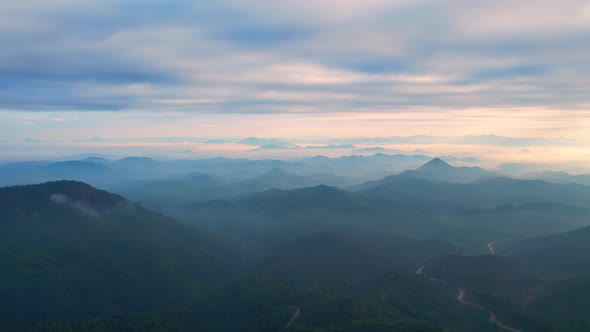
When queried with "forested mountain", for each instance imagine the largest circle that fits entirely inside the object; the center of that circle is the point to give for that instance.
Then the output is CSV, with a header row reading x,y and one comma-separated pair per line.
x,y
348,255
203,187
73,252
469,215
76,253
335,259
488,193
559,255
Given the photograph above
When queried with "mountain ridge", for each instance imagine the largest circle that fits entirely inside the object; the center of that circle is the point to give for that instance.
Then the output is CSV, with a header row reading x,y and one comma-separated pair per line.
x,y
76,252
440,171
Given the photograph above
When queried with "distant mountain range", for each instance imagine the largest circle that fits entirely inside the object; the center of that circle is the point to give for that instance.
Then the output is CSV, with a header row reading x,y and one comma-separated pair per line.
x,y
123,174
469,214
113,174
558,177
201,187
491,192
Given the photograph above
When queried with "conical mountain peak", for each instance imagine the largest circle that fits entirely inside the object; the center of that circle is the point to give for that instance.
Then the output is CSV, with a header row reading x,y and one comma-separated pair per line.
x,y
436,163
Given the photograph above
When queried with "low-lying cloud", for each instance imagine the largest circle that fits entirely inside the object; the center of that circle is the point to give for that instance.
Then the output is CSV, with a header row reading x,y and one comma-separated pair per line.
x,y
77,205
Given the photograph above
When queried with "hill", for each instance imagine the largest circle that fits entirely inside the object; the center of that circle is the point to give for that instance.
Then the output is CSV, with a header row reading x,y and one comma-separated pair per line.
x,y
349,254
278,178
202,187
489,193
465,214
558,177
192,187
564,304
555,256
438,170
319,197
73,252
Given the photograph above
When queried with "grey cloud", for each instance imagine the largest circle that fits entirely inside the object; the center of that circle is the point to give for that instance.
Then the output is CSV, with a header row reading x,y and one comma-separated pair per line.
x,y
329,147
376,149
255,141
261,57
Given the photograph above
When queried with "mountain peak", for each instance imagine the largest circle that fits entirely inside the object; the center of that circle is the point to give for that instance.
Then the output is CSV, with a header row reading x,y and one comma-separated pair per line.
x,y
436,163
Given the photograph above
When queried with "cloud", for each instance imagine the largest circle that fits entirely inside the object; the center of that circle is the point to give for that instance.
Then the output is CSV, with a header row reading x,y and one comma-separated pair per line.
x,y
465,160
262,141
525,152
80,206
376,149
513,141
275,146
337,147
263,56
259,36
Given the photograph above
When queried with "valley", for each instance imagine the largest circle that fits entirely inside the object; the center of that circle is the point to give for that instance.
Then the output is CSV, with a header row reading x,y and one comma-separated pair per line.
x,y
403,253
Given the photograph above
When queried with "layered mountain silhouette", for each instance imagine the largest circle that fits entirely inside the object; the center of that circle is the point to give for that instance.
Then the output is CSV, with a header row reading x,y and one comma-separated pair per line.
x,y
200,187
438,170
558,177
491,192
261,240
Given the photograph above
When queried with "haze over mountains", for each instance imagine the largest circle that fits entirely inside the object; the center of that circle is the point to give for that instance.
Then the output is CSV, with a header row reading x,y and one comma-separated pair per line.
x,y
226,177
325,166
250,242
141,169
437,170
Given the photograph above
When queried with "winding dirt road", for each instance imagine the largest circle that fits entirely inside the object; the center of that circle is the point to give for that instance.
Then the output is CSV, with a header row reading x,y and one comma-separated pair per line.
x,y
491,247
493,318
293,317
420,270
461,299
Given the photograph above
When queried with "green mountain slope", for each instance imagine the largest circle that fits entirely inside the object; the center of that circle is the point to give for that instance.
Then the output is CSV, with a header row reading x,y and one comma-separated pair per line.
x,y
488,193
348,255
555,256
72,252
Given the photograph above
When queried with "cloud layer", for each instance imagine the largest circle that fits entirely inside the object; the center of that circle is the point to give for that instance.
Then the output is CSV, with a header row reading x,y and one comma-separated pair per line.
x,y
258,56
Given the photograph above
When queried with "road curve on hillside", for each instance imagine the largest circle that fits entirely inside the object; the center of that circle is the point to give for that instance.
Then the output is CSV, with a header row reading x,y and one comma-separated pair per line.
x,y
493,318
461,299
491,247
293,317
420,270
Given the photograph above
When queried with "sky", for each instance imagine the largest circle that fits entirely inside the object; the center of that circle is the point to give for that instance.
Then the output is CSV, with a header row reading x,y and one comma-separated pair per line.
x,y
86,76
